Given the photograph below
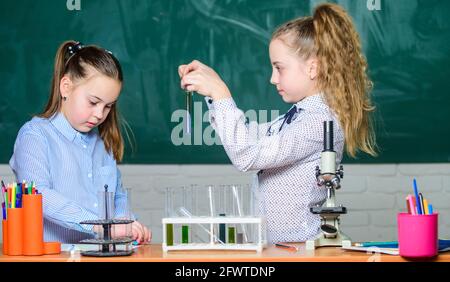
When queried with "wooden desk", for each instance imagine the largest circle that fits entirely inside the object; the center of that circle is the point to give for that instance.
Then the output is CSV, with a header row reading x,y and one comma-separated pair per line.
x,y
154,253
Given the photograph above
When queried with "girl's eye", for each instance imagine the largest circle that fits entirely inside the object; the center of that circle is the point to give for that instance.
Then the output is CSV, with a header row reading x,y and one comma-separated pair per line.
x,y
92,103
108,106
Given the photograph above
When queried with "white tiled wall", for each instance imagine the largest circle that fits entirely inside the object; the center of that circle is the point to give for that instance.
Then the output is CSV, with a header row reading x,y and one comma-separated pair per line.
x,y
373,194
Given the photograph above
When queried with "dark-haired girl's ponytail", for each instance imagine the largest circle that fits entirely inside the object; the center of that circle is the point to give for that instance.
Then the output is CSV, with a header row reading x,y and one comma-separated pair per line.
x,y
58,72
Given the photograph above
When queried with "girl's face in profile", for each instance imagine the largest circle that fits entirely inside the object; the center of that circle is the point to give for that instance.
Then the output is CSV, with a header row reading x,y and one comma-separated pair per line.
x,y
293,76
89,100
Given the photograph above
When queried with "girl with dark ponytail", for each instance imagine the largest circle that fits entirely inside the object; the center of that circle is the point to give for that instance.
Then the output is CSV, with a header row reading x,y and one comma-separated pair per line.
x,y
72,148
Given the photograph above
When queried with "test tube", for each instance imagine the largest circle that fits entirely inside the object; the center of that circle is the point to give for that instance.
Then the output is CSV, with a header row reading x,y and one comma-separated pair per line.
x,y
128,216
185,234
211,200
186,203
192,205
222,231
188,120
239,238
169,234
249,198
231,234
248,195
184,196
233,211
188,198
193,199
168,212
169,202
238,196
128,213
221,209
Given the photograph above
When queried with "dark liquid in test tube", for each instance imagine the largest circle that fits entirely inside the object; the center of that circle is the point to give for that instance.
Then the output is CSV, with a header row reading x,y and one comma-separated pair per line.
x,y
188,119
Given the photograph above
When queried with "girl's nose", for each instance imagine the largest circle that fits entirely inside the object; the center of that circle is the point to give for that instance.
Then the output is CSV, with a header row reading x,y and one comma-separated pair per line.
x,y
98,113
274,78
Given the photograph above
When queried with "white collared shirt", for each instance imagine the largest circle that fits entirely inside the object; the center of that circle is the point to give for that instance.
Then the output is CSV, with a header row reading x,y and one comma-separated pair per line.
x,y
285,161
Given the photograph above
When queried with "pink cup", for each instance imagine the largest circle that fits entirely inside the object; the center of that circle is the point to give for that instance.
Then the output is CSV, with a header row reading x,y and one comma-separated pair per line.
x,y
418,235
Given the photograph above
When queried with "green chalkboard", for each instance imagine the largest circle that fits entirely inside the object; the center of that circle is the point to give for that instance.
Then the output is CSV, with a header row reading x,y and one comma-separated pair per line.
x,y
407,43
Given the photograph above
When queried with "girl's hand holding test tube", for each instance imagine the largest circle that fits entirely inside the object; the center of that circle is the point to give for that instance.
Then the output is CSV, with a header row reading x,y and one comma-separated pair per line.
x,y
202,79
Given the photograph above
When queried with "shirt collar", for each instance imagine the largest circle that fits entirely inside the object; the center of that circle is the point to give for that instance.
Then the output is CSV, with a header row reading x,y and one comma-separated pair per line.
x,y
62,124
312,102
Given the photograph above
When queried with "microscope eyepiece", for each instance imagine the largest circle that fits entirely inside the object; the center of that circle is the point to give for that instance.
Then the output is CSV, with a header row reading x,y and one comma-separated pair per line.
x,y
328,136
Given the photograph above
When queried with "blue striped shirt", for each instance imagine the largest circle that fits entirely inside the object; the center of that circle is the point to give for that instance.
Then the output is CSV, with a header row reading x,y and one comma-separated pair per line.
x,y
69,168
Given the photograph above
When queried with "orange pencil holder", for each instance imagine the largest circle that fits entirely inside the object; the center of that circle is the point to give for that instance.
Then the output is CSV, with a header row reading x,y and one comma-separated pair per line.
x,y
15,231
23,231
5,236
33,225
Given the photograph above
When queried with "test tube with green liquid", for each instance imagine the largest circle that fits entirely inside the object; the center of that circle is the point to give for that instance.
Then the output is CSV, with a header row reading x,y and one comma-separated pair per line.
x,y
231,235
169,234
168,212
185,234
233,212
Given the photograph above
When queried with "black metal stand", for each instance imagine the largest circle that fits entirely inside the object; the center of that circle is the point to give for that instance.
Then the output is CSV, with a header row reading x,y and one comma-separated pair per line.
x,y
108,244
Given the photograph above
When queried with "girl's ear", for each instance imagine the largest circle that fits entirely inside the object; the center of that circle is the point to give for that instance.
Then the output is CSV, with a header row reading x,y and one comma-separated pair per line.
x,y
313,66
65,87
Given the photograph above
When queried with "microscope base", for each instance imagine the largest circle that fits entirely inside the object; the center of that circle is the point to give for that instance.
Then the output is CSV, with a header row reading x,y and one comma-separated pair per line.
x,y
341,240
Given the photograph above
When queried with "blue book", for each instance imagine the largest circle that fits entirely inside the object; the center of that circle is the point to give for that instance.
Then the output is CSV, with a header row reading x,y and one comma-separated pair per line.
x,y
443,244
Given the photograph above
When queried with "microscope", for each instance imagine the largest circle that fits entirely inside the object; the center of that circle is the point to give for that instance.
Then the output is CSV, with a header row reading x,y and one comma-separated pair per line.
x,y
329,212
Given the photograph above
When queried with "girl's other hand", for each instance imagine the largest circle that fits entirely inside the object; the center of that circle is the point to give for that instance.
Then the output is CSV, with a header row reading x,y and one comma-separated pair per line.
x,y
139,232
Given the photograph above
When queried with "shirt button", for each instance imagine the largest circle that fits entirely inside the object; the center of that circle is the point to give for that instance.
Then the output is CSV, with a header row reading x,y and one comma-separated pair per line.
x,y
95,205
84,146
89,175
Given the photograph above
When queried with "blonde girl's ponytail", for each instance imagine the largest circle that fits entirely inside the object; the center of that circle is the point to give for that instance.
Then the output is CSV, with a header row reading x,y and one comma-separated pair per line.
x,y
342,76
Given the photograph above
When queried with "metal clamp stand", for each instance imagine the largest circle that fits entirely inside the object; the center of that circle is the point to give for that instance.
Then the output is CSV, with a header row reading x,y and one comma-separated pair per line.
x,y
329,212
108,244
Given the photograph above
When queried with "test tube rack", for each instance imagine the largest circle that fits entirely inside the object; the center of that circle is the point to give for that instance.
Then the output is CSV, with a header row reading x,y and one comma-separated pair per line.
x,y
213,243
109,245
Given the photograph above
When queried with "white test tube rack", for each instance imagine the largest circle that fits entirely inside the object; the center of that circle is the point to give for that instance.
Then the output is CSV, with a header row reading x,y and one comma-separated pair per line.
x,y
213,244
